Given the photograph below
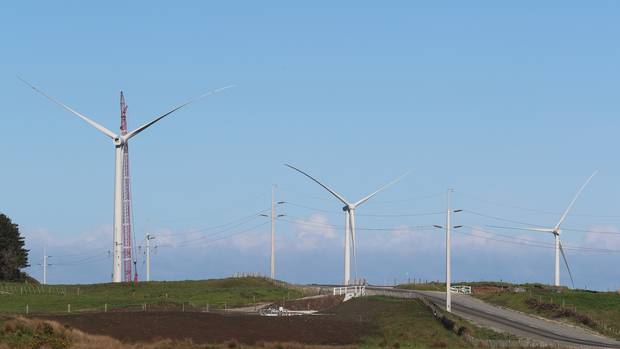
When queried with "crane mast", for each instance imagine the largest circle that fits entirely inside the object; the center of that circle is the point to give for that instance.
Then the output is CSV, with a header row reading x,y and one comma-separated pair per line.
x,y
126,201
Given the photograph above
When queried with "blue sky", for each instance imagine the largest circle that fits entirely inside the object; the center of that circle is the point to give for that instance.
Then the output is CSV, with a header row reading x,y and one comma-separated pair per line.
x,y
514,104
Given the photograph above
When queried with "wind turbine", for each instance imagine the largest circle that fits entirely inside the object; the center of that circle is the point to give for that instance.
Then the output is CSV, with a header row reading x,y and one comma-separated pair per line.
x,y
349,209
120,141
556,231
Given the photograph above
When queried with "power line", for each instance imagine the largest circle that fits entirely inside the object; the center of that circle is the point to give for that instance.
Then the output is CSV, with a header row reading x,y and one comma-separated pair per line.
x,y
590,231
312,208
500,218
534,210
419,198
89,259
537,225
535,243
186,243
196,218
366,215
220,232
100,259
302,221
73,254
233,235
314,197
239,221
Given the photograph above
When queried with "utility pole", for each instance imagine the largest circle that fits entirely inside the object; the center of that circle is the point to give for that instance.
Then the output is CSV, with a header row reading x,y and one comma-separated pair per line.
x,y
448,228
148,256
273,232
44,266
448,271
273,216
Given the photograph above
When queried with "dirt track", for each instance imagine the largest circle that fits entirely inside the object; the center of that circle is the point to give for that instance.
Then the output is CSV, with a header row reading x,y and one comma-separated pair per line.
x,y
311,303
216,328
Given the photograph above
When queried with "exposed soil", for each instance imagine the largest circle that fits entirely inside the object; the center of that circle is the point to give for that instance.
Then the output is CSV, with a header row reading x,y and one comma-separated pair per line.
x,y
327,329
486,289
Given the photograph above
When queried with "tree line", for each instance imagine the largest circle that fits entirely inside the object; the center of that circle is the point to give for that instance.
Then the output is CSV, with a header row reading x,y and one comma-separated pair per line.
x,y
13,254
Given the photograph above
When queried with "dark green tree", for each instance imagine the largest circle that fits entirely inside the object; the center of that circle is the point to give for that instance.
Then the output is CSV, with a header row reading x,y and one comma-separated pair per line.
x,y
13,255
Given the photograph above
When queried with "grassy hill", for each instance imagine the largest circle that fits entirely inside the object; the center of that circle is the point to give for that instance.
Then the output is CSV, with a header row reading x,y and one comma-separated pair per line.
x,y
599,311
219,293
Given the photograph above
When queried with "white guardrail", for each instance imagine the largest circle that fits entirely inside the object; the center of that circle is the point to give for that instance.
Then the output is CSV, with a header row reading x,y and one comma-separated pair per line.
x,y
461,289
350,291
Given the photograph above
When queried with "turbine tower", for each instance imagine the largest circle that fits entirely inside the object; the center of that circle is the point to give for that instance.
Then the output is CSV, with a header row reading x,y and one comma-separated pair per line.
x,y
120,145
349,230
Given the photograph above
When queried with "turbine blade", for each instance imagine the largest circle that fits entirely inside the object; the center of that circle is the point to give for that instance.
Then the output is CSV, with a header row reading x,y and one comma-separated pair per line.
x,y
338,196
382,188
540,230
557,226
566,262
147,125
66,107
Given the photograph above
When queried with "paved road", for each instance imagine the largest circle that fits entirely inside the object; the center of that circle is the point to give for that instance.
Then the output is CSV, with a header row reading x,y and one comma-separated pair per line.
x,y
506,320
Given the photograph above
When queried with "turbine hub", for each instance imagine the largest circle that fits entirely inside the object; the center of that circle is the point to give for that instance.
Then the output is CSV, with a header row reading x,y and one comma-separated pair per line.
x,y
118,141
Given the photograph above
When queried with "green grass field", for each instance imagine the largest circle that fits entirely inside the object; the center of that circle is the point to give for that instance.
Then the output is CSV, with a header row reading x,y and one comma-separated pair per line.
x,y
219,293
408,323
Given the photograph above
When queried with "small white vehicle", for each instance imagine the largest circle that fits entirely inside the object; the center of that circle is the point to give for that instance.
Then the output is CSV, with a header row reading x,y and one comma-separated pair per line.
x,y
284,312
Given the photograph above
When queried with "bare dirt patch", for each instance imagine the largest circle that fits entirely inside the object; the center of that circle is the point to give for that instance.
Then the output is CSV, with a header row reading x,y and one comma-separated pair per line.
x,y
218,328
486,289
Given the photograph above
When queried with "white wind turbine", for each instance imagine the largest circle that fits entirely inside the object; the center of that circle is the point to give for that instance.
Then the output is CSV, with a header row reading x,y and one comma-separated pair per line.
x,y
349,230
556,231
119,143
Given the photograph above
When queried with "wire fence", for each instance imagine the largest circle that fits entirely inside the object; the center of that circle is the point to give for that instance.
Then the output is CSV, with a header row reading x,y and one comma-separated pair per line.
x,y
188,306
28,299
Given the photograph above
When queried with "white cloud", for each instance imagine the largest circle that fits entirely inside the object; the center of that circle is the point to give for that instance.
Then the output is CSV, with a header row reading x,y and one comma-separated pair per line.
x,y
311,233
603,236
97,239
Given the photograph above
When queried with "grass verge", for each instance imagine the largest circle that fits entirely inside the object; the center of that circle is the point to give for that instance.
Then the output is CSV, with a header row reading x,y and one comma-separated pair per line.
x,y
411,323
598,311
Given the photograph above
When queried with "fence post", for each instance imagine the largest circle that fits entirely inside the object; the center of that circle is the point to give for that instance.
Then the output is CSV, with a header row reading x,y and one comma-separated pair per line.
x,y
68,308
183,306
27,310
207,307
105,308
